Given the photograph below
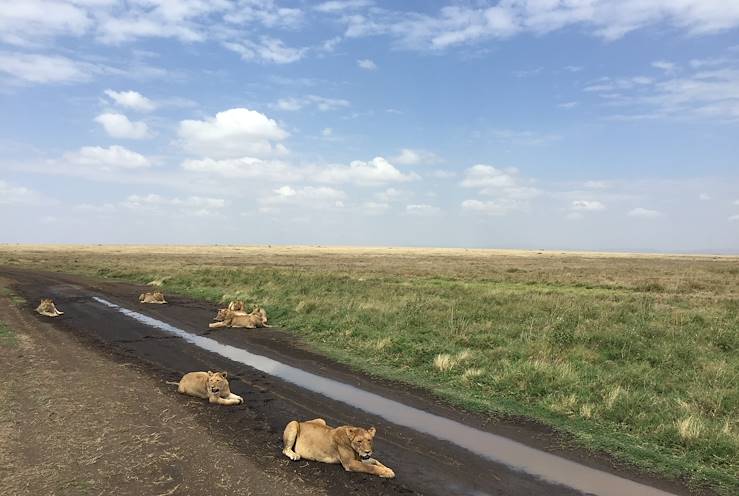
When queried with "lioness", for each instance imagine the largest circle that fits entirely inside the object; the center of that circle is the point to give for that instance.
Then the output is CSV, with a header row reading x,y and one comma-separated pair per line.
x,y
210,385
350,446
230,318
155,297
236,306
47,308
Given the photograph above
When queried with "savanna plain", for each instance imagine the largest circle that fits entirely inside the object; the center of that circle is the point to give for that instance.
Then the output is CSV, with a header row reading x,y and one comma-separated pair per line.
x,y
632,355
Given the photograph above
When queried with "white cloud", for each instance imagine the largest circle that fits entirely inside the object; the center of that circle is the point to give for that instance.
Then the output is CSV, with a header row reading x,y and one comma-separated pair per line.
x,y
498,207
464,24
487,176
567,105
113,157
526,138
321,103
374,208
192,205
596,184
334,6
587,205
366,64
266,50
265,12
232,133
736,202
374,172
44,69
704,197
28,21
644,213
244,167
327,132
698,93
391,195
421,210
664,65
131,99
409,156
443,174
118,126
19,195
305,197
734,218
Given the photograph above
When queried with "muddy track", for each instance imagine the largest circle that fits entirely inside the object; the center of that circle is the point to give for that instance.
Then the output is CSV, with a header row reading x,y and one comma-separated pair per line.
x,y
424,464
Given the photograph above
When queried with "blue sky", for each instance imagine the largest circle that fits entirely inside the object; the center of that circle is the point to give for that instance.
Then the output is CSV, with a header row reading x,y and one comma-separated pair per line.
x,y
552,124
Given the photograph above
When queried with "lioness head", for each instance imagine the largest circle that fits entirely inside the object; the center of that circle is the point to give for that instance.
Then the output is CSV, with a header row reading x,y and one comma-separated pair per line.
x,y
222,314
142,296
236,305
261,313
218,383
361,440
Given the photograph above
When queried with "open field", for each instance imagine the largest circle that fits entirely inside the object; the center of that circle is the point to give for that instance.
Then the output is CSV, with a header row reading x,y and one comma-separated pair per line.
x,y
636,355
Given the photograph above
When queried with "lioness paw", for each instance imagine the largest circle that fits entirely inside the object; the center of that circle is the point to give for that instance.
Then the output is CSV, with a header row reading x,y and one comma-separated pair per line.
x,y
387,473
291,454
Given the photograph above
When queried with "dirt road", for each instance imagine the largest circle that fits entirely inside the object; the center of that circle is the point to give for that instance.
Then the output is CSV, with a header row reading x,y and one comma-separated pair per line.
x,y
179,445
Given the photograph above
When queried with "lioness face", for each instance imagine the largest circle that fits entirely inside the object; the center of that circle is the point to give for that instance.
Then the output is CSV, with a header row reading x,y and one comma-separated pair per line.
x,y
218,383
362,441
222,313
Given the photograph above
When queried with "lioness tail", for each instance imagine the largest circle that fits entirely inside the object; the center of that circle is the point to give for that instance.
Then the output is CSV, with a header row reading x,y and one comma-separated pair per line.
x,y
173,383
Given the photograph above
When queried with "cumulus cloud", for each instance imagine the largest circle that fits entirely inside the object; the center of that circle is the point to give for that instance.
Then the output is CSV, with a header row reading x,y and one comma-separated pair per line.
x,y
366,64
644,213
245,167
233,133
192,205
118,126
23,23
422,210
487,176
45,69
111,158
409,156
342,5
321,103
305,197
131,99
499,207
266,50
587,205
377,171
465,24
11,194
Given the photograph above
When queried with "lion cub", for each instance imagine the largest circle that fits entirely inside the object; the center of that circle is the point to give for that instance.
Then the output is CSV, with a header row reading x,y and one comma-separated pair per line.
x,y
210,385
155,297
350,446
47,308
230,318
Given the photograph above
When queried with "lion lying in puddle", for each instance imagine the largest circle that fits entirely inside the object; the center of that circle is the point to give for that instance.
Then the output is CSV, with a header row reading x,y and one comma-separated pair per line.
x,y
47,308
155,297
350,446
212,386
232,318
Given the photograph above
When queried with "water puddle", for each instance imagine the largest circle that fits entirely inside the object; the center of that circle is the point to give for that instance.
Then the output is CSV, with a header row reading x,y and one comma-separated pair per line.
x,y
546,466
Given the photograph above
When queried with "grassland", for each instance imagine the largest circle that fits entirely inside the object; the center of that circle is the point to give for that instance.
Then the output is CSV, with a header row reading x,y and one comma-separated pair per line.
x,y
634,355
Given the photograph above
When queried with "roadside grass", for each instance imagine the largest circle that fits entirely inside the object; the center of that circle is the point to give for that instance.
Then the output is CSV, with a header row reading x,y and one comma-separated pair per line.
x,y
634,356
7,337
17,300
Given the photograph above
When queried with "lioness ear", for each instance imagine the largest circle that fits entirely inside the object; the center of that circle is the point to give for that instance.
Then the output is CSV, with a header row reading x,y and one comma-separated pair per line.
x,y
224,374
372,431
210,373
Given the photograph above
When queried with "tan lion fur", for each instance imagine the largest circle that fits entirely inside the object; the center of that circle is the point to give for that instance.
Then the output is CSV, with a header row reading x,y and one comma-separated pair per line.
x,y
212,386
229,318
47,308
156,297
350,446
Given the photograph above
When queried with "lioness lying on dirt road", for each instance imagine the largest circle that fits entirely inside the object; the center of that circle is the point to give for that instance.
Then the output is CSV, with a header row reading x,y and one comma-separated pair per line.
x,y
155,297
230,318
47,308
350,446
210,385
